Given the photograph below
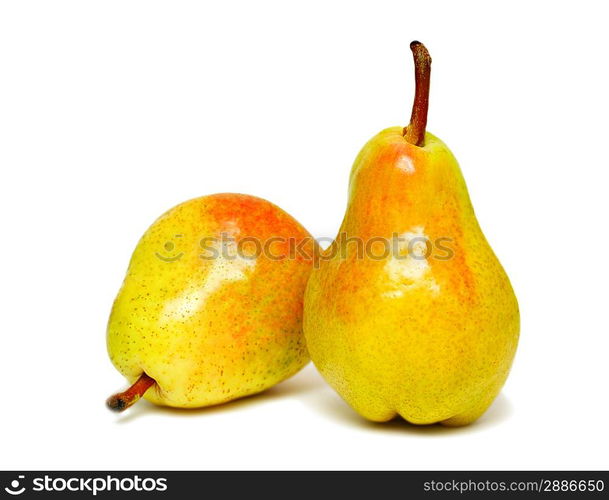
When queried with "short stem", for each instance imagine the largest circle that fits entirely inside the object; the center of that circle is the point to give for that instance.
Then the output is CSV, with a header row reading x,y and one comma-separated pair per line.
x,y
414,133
123,400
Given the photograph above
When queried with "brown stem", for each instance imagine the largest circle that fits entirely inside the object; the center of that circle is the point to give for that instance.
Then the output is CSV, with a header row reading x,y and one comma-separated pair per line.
x,y
414,133
123,400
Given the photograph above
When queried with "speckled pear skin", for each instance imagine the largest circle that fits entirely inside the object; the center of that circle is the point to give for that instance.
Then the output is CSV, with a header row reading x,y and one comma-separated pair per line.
x,y
212,330
429,338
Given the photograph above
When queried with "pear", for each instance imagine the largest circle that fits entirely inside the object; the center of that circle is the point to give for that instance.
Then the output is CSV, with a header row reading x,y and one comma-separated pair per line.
x,y
211,307
409,312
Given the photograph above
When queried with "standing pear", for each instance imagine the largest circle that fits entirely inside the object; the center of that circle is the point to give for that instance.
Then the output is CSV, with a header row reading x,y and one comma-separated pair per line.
x,y
427,326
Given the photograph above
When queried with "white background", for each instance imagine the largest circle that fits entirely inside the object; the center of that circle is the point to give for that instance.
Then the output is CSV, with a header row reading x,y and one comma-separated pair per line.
x,y
112,112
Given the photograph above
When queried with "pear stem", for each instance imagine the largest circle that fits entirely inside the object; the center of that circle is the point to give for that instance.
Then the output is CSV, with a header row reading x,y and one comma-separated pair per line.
x,y
123,400
414,133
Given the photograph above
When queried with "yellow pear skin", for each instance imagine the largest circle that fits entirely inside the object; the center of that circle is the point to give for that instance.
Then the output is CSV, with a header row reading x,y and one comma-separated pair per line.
x,y
189,330
427,330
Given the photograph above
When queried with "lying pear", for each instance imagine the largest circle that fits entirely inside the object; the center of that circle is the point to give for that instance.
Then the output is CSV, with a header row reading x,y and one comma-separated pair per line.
x,y
211,307
410,313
